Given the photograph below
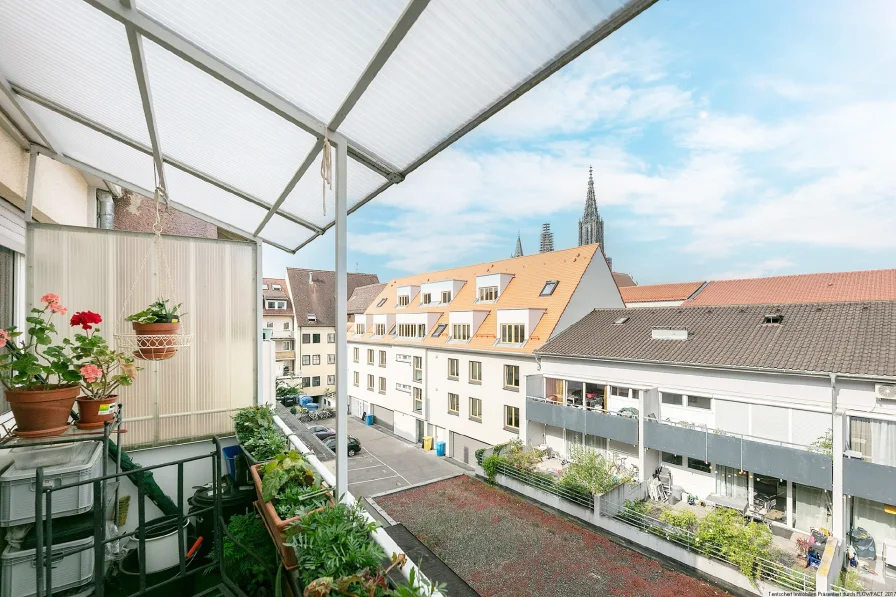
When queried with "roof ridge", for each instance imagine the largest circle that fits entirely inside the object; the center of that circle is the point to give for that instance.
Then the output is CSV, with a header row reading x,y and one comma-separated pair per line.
x,y
840,273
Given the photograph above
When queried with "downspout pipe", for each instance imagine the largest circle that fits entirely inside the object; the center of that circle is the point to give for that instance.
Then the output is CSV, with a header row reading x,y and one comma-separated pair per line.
x,y
105,210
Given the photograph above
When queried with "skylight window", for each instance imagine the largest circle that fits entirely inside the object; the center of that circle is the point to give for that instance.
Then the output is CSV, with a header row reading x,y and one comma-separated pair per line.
x,y
381,303
264,286
439,329
312,317
773,319
549,287
277,287
620,321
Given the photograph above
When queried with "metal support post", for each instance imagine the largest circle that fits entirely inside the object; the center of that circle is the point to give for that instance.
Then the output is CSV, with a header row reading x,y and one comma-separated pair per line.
x,y
39,529
341,319
29,193
99,539
259,324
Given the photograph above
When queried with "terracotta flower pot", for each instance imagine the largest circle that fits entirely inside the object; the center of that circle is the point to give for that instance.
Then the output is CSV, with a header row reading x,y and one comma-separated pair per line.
x,y
42,411
94,413
277,526
156,349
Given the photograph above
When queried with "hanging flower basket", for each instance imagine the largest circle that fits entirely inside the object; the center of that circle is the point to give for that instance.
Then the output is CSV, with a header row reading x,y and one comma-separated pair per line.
x,y
157,333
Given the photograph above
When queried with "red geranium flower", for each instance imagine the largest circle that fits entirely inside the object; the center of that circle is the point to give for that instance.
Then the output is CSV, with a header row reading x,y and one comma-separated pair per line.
x,y
85,319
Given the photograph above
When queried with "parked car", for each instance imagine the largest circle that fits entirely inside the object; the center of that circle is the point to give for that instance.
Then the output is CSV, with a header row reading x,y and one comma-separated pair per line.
x,y
354,446
319,428
325,435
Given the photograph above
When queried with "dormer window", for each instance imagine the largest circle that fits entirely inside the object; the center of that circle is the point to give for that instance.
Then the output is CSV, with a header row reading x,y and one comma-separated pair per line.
x,y
264,286
488,294
460,331
427,298
381,303
275,304
359,329
549,287
403,300
411,330
312,317
446,297
380,329
513,333
277,287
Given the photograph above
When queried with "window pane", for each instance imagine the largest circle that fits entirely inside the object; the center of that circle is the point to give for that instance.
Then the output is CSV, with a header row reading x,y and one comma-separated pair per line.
x,y
672,458
700,402
699,465
675,399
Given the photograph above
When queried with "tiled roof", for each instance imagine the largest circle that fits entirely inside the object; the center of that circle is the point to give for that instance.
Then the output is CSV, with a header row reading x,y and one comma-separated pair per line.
x,y
319,296
874,285
678,291
856,338
622,280
281,294
529,276
361,298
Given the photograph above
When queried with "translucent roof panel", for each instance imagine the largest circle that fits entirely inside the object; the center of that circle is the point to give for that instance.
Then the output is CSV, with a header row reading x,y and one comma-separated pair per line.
x,y
92,148
209,126
285,233
306,199
459,58
209,199
73,54
284,45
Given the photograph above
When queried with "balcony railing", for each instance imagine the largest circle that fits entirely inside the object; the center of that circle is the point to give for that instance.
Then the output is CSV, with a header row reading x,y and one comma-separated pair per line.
x,y
869,480
799,463
285,355
583,419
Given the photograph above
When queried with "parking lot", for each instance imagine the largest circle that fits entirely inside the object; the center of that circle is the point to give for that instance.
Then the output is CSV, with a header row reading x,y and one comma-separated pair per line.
x,y
386,463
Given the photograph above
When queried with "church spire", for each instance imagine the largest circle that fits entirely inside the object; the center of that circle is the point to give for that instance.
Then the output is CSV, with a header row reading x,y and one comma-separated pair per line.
x,y
591,226
519,245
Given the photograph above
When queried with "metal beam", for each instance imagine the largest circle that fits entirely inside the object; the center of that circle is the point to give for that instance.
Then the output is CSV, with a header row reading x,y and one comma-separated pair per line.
x,y
100,128
186,50
29,191
139,59
17,115
341,319
309,159
13,131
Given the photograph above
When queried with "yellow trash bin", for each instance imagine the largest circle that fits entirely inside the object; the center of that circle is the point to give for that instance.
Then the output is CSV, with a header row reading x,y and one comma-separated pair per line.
x,y
427,442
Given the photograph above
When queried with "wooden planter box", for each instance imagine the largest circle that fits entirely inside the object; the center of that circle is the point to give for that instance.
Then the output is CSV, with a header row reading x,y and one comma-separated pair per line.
x,y
276,525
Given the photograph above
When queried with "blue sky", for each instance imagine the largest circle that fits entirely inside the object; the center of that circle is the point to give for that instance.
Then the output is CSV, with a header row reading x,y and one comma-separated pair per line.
x,y
728,139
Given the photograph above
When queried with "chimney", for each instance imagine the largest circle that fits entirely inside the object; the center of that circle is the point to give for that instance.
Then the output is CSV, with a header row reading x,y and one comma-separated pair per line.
x,y
310,279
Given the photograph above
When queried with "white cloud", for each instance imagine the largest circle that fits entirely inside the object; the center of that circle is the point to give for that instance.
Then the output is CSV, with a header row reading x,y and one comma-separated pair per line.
x,y
769,267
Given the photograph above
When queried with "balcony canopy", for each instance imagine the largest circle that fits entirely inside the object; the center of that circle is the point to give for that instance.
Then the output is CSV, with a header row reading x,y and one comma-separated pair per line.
x,y
230,100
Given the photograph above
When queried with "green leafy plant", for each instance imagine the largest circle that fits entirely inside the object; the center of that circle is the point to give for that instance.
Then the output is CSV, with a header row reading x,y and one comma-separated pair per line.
x,y
285,390
851,581
298,500
825,443
249,537
724,531
35,363
373,583
266,443
682,520
598,474
247,421
285,469
333,543
490,465
102,369
518,455
293,410
158,312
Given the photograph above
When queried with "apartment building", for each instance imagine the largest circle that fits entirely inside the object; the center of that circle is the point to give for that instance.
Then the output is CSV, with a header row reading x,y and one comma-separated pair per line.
x,y
313,295
794,405
360,300
279,322
444,353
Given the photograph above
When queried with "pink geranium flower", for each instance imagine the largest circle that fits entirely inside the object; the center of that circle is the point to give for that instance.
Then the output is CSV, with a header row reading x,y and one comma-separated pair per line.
x,y
57,308
4,338
91,373
50,298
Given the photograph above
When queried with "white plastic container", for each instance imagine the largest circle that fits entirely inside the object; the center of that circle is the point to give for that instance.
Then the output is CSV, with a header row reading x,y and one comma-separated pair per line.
x,y
17,486
71,568
161,543
31,458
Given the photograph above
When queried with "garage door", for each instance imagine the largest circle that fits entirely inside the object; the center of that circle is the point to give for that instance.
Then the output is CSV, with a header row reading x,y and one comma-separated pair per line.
x,y
464,448
385,417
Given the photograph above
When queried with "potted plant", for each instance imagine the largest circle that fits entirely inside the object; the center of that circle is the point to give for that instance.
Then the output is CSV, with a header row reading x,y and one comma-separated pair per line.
x,y
40,378
156,327
102,370
288,490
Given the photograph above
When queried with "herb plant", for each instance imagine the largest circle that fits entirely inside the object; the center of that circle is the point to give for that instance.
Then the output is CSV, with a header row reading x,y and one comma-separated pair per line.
x,y
284,470
251,537
248,420
333,543
158,312
265,443
298,499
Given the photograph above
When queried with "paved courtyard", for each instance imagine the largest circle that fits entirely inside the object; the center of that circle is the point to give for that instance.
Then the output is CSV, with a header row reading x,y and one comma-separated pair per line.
x,y
386,463
504,546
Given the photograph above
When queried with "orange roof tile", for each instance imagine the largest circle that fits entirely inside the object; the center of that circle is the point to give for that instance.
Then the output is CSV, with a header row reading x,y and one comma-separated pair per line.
x,y
530,274
678,291
873,285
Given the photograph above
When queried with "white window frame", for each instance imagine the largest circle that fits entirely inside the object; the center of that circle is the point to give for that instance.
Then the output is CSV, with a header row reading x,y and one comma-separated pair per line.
x,y
455,364
507,369
418,400
460,331
508,410
456,398
513,333
488,294
475,406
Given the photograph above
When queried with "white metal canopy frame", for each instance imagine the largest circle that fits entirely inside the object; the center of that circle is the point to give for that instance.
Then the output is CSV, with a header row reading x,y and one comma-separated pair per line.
x,y
230,100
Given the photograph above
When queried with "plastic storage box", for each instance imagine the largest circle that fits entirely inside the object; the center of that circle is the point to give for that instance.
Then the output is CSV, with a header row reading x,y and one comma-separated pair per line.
x,y
30,458
71,568
17,486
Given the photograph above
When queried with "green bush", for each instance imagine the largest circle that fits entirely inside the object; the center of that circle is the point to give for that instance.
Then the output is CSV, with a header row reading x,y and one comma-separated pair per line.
x,y
479,454
593,471
250,574
265,443
740,543
850,580
293,410
247,421
490,466
519,456
682,520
